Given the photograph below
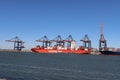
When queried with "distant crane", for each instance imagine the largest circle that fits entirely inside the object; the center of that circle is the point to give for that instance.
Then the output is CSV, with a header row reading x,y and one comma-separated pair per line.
x,y
102,41
18,44
86,42
46,42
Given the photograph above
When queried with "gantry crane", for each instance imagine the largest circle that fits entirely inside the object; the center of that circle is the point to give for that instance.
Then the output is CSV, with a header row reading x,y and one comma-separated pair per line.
x,y
69,40
102,41
59,41
46,42
86,42
18,44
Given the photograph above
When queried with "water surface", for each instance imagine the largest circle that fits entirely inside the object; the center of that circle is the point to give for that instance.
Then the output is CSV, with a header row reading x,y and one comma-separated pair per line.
x,y
33,66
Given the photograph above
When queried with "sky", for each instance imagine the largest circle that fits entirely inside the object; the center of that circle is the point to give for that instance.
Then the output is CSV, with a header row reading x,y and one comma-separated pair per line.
x,y
32,19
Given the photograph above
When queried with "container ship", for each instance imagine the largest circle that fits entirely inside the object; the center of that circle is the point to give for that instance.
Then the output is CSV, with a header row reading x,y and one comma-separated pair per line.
x,y
39,49
111,51
67,46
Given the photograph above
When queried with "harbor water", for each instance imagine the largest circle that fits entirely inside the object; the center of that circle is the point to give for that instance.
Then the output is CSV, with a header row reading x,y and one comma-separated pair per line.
x,y
33,66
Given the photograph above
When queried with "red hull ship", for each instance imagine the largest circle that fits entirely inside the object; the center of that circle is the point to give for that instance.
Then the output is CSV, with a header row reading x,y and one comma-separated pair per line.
x,y
60,46
66,51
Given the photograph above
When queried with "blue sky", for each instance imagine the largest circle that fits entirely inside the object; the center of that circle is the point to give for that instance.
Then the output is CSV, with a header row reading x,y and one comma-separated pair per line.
x,y
32,19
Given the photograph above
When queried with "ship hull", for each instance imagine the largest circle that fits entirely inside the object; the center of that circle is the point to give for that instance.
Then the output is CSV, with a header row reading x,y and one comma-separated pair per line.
x,y
110,53
52,51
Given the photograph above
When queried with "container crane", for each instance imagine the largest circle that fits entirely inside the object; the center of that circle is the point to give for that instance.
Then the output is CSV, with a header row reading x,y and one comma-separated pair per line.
x,y
46,42
59,41
102,41
86,42
69,40
18,44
